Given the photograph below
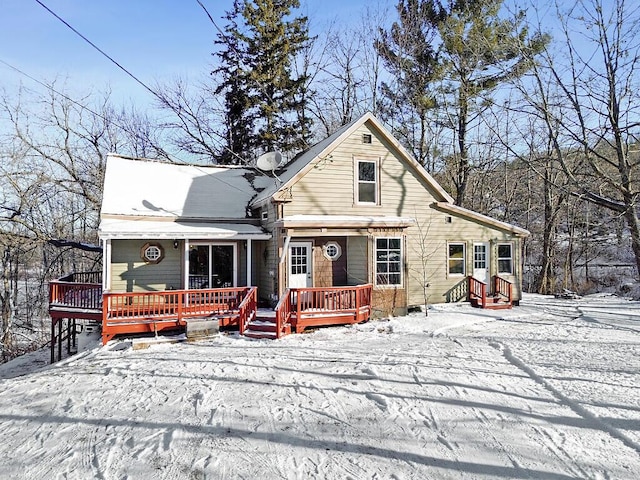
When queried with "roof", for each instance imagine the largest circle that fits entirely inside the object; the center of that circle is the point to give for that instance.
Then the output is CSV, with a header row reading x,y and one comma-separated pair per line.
x,y
144,197
344,221
147,188
298,167
478,217
111,228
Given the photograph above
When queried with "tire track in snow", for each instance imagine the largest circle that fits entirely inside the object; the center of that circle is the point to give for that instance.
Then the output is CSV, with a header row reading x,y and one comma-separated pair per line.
x,y
575,406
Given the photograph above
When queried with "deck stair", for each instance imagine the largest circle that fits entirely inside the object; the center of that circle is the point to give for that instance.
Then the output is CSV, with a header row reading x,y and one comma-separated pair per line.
x,y
498,297
264,325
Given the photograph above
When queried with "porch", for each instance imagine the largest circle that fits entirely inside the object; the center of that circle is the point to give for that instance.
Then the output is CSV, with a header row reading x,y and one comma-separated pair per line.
x,y
80,297
497,295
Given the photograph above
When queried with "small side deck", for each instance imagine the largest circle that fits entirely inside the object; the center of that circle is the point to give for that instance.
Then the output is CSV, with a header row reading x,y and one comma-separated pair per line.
x,y
302,308
498,297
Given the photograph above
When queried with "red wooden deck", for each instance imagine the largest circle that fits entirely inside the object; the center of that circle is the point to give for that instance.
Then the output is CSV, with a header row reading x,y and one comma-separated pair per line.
x,y
80,297
501,296
301,308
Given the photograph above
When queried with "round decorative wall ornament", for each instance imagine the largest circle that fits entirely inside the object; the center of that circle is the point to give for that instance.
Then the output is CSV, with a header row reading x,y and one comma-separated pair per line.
x,y
152,252
332,251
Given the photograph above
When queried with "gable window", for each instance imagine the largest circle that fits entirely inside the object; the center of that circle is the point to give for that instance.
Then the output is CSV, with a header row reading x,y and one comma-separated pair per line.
x,y
456,258
367,174
505,258
388,261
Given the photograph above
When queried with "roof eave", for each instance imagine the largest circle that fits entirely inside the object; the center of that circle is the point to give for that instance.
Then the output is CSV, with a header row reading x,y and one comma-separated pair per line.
x,y
457,210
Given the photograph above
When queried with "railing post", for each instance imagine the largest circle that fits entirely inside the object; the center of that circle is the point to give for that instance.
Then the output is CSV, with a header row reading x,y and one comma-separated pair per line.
x,y
181,298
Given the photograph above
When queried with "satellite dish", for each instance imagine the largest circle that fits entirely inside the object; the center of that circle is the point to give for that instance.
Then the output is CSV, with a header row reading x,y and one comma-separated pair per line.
x,y
269,161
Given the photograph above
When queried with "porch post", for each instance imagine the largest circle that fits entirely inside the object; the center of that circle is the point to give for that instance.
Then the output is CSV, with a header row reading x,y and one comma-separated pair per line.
x,y
185,265
249,247
106,264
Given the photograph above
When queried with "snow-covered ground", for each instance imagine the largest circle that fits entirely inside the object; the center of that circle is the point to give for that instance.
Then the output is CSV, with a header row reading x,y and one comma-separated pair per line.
x,y
548,390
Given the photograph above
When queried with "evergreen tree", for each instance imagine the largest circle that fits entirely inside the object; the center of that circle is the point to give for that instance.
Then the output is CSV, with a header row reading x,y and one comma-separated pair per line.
x,y
409,52
239,121
479,52
262,96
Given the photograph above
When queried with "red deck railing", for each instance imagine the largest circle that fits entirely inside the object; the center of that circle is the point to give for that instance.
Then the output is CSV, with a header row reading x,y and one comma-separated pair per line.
x,y
502,293
81,296
478,291
302,307
503,287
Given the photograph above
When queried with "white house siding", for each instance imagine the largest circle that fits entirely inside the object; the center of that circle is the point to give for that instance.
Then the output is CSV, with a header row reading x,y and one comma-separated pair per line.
x,y
129,273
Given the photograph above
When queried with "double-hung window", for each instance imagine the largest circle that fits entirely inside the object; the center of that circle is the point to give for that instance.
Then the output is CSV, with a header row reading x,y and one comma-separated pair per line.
x,y
367,185
505,258
388,261
456,259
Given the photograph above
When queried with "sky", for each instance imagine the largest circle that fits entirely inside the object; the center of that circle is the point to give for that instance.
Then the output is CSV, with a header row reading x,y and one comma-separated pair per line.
x,y
547,390
156,40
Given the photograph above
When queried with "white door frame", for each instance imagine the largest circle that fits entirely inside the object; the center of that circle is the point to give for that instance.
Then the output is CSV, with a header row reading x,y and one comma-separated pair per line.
x,y
481,261
210,259
304,279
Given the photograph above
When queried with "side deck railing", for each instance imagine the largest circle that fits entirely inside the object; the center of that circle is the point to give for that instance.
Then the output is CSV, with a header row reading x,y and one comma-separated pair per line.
x,y
503,287
75,295
301,306
478,291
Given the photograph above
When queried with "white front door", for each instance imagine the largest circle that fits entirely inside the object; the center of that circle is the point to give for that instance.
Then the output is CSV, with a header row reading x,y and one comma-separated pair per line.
x,y
481,262
300,265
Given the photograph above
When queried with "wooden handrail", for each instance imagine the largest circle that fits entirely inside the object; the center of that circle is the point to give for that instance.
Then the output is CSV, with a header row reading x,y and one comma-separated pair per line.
x,y
248,308
177,304
82,277
478,290
86,296
283,312
503,287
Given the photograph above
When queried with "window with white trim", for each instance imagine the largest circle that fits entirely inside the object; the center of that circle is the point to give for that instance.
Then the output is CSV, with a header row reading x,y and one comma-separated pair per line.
x,y
456,258
367,175
388,261
505,258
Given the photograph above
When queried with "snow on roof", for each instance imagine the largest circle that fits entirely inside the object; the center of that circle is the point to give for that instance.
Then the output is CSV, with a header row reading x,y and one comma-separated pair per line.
x,y
132,229
139,187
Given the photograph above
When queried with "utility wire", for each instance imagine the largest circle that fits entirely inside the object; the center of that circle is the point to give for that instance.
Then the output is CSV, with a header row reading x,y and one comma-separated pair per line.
x,y
82,106
98,49
149,89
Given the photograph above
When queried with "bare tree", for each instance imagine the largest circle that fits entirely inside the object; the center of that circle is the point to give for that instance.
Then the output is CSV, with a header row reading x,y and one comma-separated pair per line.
x,y
595,105
52,161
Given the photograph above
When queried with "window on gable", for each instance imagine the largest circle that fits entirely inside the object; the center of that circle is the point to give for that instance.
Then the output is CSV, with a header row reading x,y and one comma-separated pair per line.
x,y
505,258
388,261
456,259
367,181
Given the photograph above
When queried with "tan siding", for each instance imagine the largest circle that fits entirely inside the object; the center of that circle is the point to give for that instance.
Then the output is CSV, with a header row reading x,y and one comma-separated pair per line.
x,y
129,273
268,259
328,189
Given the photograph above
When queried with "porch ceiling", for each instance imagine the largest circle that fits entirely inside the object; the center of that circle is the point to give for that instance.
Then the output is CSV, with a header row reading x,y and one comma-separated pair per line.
x,y
344,221
140,229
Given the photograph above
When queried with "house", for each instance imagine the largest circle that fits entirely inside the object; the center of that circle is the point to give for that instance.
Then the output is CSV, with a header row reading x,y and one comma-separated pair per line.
x,y
355,209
